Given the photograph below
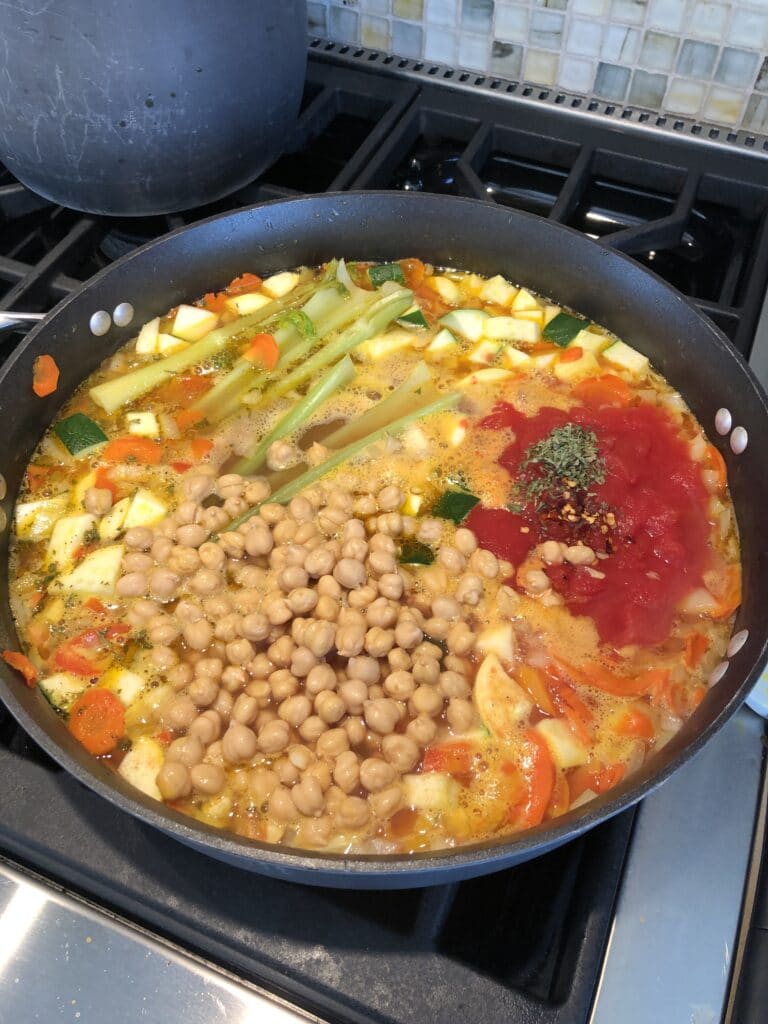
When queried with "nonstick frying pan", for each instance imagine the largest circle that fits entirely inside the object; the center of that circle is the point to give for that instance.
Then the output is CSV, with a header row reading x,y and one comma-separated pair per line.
x,y
555,261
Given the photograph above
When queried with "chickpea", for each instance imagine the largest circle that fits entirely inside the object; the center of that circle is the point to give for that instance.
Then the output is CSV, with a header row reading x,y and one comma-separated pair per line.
x,y
437,627
223,705
382,715
365,505
376,774
308,796
460,714
350,640
204,690
330,706
321,677
212,667
534,581
346,771
469,589
186,750
245,709
302,662
302,599
206,727
391,585
211,555
239,743
400,685
137,561
422,730
453,684
389,499
427,700
262,782
281,805
276,609
227,629
164,633
386,802
180,676
256,491
197,487
173,781
390,523
198,635
355,730
319,562
288,773
352,812
426,670
332,743
451,560
460,638
295,710
319,637
274,737
315,831
264,718
229,484
283,684
138,537
408,634
161,549
259,689
258,541
401,751
363,597
354,693
312,729
207,778
254,626
579,554
355,548
327,586
379,642
133,584
164,658
446,608
191,535
349,573
281,651
551,552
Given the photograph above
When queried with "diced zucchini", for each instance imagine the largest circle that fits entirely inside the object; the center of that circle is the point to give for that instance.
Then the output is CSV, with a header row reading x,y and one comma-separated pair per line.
x,y
498,640
534,316
146,343
79,434
511,328
62,689
469,323
247,303
141,765
514,359
191,323
588,341
414,552
499,291
413,317
490,375
563,328
35,519
67,536
123,683
145,510
280,284
624,357
501,702
167,344
448,290
567,751
484,352
143,424
443,341
578,369
524,300
543,360
96,574
431,791
386,344
381,272
111,524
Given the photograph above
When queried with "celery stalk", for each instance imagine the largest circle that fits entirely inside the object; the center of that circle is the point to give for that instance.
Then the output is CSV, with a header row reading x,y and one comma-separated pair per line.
x,y
114,393
415,390
372,322
337,377
290,490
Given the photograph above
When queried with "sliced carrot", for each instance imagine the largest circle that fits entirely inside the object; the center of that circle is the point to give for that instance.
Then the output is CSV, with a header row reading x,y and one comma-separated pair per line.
x,y
263,349
609,777
117,632
200,447
22,664
429,302
97,720
37,475
165,737
731,597
215,302
541,348
538,770
573,708
594,775
572,354
696,646
187,418
181,467
560,800
414,272
34,599
453,758
533,681
596,675
105,483
180,391
133,449
636,723
714,461
97,606
607,389
45,376
71,659
245,283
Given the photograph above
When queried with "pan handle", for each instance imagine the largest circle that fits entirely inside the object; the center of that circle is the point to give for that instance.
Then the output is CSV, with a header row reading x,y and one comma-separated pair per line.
x,y
10,320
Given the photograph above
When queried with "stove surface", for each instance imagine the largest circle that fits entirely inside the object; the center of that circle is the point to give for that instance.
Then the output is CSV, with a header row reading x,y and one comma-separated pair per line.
x,y
526,944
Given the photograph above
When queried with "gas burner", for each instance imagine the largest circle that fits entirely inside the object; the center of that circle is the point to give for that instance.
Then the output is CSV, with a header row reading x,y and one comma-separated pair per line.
x,y
430,168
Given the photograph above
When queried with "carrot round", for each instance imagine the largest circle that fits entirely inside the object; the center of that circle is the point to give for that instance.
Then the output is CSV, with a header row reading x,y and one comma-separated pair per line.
x,y
97,720
187,418
245,283
22,664
45,376
454,758
200,447
263,349
572,354
635,723
608,389
133,449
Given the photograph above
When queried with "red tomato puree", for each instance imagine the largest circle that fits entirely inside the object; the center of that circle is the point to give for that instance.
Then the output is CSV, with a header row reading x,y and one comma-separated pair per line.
x,y
658,543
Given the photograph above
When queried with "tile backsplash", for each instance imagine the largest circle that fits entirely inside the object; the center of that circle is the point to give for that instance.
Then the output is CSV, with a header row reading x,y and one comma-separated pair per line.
x,y
702,59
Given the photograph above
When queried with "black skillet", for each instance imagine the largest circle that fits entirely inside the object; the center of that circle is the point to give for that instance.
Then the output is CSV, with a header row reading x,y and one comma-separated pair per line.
x,y
555,261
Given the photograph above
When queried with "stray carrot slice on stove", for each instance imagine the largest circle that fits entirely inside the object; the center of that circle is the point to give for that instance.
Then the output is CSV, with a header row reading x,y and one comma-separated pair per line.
x,y
45,376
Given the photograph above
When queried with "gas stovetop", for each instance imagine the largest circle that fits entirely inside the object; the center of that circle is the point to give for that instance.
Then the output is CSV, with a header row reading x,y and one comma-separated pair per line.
x,y
528,944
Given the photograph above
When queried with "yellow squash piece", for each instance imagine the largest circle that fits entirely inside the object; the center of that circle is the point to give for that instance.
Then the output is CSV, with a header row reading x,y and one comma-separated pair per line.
x,y
501,702
35,519
141,765
97,574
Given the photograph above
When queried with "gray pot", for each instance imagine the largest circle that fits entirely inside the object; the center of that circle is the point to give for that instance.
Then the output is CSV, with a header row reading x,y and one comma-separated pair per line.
x,y
132,107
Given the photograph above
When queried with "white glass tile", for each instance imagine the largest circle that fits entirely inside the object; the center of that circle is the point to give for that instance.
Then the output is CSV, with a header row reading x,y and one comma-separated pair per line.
x,y
474,52
708,20
621,44
507,59
611,82
344,26
443,12
647,89
684,97
756,117
696,60
723,105
596,8
546,30
576,74
413,10
659,51
374,33
476,15
762,77
585,37
317,19
375,6
736,67
632,11
540,67
441,45
666,14
511,23
407,40
749,28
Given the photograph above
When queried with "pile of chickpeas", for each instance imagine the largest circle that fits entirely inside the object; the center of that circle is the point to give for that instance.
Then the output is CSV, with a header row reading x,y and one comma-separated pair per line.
x,y
307,680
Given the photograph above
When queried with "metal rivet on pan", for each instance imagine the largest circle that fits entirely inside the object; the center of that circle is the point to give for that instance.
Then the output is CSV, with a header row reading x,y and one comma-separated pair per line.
x,y
100,323
739,440
3,487
736,642
723,421
717,673
122,314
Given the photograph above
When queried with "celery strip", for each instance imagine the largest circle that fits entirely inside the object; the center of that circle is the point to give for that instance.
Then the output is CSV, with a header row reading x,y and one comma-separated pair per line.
x,y
113,394
337,377
373,321
415,390
290,490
